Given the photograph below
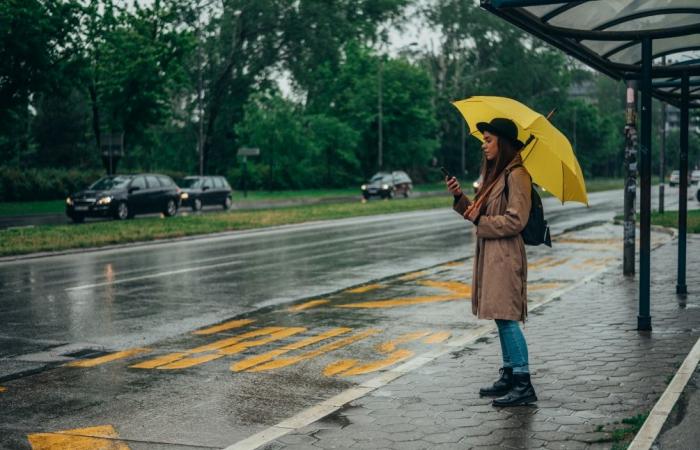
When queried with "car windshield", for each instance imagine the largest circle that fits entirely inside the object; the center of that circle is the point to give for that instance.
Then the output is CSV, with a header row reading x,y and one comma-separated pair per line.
x,y
380,177
190,182
106,183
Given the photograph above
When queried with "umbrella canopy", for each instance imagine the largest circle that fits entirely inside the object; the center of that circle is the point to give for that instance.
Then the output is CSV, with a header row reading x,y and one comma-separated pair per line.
x,y
548,155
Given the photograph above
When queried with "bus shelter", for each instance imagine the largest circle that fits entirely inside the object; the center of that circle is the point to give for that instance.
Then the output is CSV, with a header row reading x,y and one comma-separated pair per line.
x,y
626,40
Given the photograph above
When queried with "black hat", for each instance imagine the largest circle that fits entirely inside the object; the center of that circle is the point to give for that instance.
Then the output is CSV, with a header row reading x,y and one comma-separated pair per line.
x,y
502,127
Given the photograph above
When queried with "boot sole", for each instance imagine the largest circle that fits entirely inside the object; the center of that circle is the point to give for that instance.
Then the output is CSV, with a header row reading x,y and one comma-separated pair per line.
x,y
523,402
493,394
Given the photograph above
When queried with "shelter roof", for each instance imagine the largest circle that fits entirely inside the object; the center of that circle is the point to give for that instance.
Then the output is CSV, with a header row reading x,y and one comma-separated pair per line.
x,y
607,35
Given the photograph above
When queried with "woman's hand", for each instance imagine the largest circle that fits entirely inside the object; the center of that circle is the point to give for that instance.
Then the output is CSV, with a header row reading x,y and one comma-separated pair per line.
x,y
453,186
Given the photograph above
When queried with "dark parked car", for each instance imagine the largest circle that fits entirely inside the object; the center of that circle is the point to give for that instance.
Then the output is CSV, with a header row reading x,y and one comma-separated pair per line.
x,y
205,190
123,196
388,185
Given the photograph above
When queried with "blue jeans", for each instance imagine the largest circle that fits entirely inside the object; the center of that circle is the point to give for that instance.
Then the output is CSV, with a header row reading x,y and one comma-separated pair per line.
x,y
513,345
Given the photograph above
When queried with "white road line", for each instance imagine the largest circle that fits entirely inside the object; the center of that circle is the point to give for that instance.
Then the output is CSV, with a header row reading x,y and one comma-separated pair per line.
x,y
657,417
155,275
329,406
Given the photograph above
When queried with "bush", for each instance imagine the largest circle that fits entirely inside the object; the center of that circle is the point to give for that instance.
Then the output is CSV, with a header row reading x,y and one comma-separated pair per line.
x,y
43,184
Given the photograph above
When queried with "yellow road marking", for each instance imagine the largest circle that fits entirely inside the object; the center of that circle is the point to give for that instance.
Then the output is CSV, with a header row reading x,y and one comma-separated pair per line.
x,y
453,264
108,358
398,355
284,362
265,357
307,305
413,276
452,286
159,361
173,357
543,286
401,302
540,262
339,366
93,438
234,340
234,349
390,346
436,338
190,362
224,326
366,288
563,240
231,350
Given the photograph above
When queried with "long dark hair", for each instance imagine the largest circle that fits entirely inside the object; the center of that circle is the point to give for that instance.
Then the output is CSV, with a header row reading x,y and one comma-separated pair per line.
x,y
491,170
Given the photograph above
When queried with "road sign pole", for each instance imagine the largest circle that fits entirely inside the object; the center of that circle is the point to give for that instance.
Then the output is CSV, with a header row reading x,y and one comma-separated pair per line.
x,y
245,152
245,176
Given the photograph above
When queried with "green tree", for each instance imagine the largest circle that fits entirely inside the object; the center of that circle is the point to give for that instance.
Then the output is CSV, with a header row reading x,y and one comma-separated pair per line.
x,y
36,45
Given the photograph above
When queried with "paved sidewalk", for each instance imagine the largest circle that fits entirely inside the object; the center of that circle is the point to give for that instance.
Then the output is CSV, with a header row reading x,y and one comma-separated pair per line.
x,y
593,372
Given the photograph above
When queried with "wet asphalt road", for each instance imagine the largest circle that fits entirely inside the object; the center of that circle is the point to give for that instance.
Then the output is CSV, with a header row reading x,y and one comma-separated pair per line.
x,y
139,295
156,295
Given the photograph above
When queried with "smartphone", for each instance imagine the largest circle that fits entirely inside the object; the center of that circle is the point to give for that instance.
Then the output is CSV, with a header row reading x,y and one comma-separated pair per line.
x,y
445,172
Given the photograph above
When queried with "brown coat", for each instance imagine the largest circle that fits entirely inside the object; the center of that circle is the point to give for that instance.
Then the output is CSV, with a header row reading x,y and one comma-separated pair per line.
x,y
499,282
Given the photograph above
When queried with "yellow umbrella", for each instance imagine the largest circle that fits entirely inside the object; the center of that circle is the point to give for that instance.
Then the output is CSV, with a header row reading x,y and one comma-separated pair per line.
x,y
547,155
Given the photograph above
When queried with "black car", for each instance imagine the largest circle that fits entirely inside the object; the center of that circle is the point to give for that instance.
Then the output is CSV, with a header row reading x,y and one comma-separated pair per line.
x,y
123,196
205,190
388,185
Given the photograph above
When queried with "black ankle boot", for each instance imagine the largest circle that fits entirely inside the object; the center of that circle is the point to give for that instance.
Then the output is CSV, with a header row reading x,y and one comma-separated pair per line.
x,y
522,392
501,386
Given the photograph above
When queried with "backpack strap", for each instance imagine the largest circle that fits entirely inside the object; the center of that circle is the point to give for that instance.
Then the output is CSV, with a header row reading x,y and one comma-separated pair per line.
x,y
515,166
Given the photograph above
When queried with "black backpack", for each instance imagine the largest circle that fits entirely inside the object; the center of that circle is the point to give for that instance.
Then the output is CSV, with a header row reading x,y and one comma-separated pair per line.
x,y
536,231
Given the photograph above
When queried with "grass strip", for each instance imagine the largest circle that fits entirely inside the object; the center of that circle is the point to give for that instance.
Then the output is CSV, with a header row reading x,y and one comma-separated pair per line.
x,y
24,208
670,220
19,241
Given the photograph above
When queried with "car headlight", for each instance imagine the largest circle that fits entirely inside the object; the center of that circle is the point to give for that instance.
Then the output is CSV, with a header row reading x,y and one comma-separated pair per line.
x,y
475,184
69,201
385,186
184,196
363,187
104,200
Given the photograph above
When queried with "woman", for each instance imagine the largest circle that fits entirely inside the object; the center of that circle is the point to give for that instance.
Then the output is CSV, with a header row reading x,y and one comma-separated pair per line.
x,y
500,211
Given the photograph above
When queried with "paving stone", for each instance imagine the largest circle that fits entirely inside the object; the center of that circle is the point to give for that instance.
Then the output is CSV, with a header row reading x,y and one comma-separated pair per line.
x,y
590,368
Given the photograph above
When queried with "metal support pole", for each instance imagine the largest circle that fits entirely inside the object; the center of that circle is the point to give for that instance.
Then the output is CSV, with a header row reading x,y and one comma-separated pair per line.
x,y
681,287
662,154
630,179
644,317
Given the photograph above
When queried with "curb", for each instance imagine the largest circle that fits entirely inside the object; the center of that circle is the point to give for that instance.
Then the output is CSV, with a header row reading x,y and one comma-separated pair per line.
x,y
646,436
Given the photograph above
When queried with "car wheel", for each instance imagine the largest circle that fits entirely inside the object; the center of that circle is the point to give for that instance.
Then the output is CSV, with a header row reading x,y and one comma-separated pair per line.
x,y
406,193
122,211
77,218
170,208
196,204
227,203
390,194
697,195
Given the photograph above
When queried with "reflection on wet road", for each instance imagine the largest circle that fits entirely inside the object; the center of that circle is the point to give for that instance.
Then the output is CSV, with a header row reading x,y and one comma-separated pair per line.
x,y
205,342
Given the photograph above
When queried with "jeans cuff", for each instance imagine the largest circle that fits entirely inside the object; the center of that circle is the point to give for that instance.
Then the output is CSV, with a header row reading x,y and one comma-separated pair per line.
x,y
521,369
